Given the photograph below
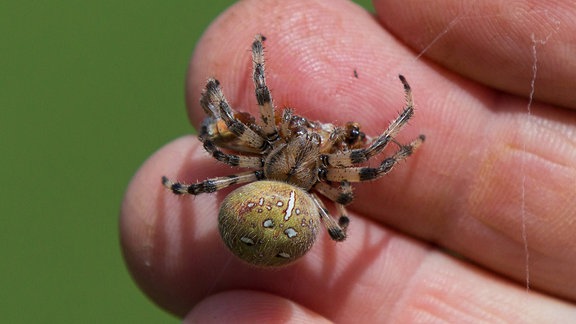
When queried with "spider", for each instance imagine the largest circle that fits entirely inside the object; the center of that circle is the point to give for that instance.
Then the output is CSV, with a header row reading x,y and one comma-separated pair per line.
x,y
273,219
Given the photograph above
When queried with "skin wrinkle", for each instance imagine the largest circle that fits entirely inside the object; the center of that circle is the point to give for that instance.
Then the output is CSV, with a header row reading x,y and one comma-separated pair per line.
x,y
511,151
507,220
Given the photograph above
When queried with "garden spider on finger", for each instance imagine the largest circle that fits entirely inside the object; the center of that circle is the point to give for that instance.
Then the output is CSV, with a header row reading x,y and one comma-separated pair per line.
x,y
273,219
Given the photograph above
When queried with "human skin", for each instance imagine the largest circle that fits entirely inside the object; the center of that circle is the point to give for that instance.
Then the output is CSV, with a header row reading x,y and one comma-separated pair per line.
x,y
477,225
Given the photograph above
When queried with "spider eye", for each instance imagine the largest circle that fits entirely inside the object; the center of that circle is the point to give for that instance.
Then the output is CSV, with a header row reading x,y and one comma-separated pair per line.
x,y
268,223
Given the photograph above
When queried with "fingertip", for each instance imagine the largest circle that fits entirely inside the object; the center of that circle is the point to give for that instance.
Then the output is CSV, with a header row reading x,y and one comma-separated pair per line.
x,y
242,306
161,239
312,67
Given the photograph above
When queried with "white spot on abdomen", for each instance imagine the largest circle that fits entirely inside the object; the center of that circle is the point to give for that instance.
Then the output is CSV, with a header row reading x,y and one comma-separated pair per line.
x,y
290,232
290,206
283,255
246,240
269,223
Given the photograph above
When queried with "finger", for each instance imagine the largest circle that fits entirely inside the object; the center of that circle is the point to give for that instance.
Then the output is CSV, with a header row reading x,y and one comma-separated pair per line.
x,y
474,180
311,66
176,256
489,173
497,43
517,178
251,307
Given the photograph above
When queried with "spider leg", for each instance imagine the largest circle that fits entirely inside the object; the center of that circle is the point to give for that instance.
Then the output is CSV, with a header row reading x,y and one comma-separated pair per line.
x,y
343,221
342,195
357,174
334,140
337,231
232,159
212,185
357,156
263,95
285,131
214,102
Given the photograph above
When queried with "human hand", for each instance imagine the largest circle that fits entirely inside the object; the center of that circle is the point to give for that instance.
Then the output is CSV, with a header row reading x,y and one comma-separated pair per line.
x,y
489,179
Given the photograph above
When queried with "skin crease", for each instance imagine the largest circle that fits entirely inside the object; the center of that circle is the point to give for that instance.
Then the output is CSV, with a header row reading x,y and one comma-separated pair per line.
x,y
462,191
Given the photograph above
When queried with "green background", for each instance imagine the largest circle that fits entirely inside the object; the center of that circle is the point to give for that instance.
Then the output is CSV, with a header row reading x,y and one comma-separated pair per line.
x,y
88,90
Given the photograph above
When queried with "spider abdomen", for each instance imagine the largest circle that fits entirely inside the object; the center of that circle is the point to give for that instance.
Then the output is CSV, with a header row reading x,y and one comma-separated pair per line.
x,y
269,223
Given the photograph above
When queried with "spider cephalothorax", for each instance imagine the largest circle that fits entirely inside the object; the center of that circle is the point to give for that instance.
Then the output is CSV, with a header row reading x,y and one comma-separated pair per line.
x,y
273,220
